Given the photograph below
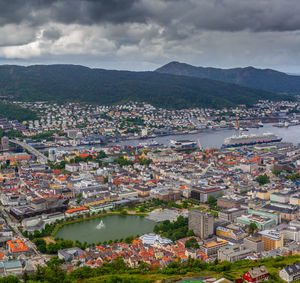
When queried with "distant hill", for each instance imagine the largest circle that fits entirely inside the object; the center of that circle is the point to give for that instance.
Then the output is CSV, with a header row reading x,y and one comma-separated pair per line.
x,y
78,83
266,79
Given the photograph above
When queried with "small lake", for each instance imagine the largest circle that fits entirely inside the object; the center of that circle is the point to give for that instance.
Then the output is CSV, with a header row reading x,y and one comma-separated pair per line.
x,y
106,228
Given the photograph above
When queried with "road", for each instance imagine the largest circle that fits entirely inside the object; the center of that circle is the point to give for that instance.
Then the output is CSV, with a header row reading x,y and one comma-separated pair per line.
x,y
18,234
40,157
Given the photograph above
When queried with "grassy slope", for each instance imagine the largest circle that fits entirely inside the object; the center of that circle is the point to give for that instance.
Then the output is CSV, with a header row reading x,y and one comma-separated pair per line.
x,y
273,265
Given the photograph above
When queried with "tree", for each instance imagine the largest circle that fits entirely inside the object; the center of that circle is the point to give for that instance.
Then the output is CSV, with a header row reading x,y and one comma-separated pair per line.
x,y
252,227
263,179
212,201
129,240
192,243
36,234
9,279
142,208
185,204
41,245
79,198
82,273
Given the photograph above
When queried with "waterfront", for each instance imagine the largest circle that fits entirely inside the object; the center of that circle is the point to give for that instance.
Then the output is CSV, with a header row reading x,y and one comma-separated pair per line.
x,y
215,138
114,227
208,138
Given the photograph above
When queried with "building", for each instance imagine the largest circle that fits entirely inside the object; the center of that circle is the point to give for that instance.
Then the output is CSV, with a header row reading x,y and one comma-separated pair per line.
x,y
286,211
202,194
226,202
167,195
289,232
201,223
264,193
39,222
72,167
5,143
290,273
76,211
280,197
262,222
232,213
236,235
16,247
12,267
233,253
38,207
153,239
271,239
69,254
211,248
266,212
52,154
254,244
256,274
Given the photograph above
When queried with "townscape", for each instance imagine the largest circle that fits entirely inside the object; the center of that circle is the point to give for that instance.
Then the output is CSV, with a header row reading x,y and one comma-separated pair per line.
x,y
149,141
209,204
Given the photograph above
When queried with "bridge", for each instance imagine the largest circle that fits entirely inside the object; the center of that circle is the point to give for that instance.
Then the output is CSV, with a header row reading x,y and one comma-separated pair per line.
x,y
40,157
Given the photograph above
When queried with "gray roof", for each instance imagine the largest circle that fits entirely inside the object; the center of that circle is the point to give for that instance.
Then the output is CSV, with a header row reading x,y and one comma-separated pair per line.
x,y
293,268
258,271
12,264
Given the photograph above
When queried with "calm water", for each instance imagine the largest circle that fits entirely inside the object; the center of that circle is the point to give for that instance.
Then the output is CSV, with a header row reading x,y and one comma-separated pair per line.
x,y
115,227
215,138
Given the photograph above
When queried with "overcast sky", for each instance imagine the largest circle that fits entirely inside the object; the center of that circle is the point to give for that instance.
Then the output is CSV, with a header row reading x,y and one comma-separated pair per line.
x,y
145,34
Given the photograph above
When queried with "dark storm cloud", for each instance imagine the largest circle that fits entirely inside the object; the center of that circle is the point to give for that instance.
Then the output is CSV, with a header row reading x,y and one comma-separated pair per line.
x,y
151,32
37,12
227,15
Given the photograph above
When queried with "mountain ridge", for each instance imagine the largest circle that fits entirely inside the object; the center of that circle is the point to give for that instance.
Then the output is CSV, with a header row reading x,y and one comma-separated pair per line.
x,y
61,82
265,79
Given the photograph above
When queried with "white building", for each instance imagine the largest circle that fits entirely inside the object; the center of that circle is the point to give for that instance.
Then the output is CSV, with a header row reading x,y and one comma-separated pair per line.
x,y
290,273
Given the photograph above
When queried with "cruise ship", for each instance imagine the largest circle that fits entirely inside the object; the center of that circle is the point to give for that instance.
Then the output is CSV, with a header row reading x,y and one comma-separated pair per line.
x,y
245,140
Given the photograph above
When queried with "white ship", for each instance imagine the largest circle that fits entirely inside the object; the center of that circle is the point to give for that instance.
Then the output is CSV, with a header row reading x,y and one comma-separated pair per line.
x,y
245,140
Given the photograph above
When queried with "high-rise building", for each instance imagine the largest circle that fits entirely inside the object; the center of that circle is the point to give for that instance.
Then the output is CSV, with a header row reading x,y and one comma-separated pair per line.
x,y
52,154
271,239
201,223
5,143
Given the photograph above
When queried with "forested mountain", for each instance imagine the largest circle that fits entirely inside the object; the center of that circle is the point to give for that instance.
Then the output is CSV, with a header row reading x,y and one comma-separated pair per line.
x,y
78,83
265,79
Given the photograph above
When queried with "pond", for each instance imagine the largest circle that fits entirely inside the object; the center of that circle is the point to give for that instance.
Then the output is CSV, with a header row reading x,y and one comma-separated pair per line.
x,y
109,227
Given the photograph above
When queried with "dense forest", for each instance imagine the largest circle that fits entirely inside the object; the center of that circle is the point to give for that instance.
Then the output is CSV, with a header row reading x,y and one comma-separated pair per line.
x,y
77,83
15,112
265,79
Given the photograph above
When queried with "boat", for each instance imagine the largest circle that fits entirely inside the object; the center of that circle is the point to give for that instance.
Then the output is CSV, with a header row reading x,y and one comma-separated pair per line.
x,y
183,144
151,143
246,140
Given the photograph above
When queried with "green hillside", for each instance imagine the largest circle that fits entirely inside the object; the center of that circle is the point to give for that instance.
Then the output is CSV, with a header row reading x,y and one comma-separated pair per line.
x,y
15,112
117,271
265,79
78,83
